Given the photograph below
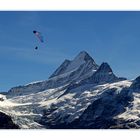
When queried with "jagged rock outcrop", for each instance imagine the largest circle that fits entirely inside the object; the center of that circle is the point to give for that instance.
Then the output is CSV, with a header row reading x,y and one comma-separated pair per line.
x,y
136,85
104,74
6,122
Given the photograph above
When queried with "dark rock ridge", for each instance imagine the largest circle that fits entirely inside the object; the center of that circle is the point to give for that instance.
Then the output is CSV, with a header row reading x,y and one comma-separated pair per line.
x,y
104,74
6,122
136,85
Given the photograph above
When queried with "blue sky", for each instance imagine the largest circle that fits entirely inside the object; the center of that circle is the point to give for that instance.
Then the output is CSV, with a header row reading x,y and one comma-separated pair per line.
x,y
112,37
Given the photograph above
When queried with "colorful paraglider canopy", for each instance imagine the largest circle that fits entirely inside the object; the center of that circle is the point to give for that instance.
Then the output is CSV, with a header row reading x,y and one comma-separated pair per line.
x,y
38,35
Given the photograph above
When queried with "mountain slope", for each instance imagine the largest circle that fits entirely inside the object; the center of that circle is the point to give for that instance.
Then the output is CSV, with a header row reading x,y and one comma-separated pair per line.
x,y
79,99
79,94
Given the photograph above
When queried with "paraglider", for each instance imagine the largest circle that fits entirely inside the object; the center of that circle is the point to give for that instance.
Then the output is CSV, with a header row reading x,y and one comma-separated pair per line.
x,y
39,36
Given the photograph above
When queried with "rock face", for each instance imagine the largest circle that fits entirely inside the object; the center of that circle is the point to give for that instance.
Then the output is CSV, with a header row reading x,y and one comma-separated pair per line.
x,y
6,122
136,85
78,95
104,74
61,69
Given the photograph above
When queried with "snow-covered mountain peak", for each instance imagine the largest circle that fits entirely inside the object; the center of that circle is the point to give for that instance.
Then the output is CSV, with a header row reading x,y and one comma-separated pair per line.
x,y
82,61
82,58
